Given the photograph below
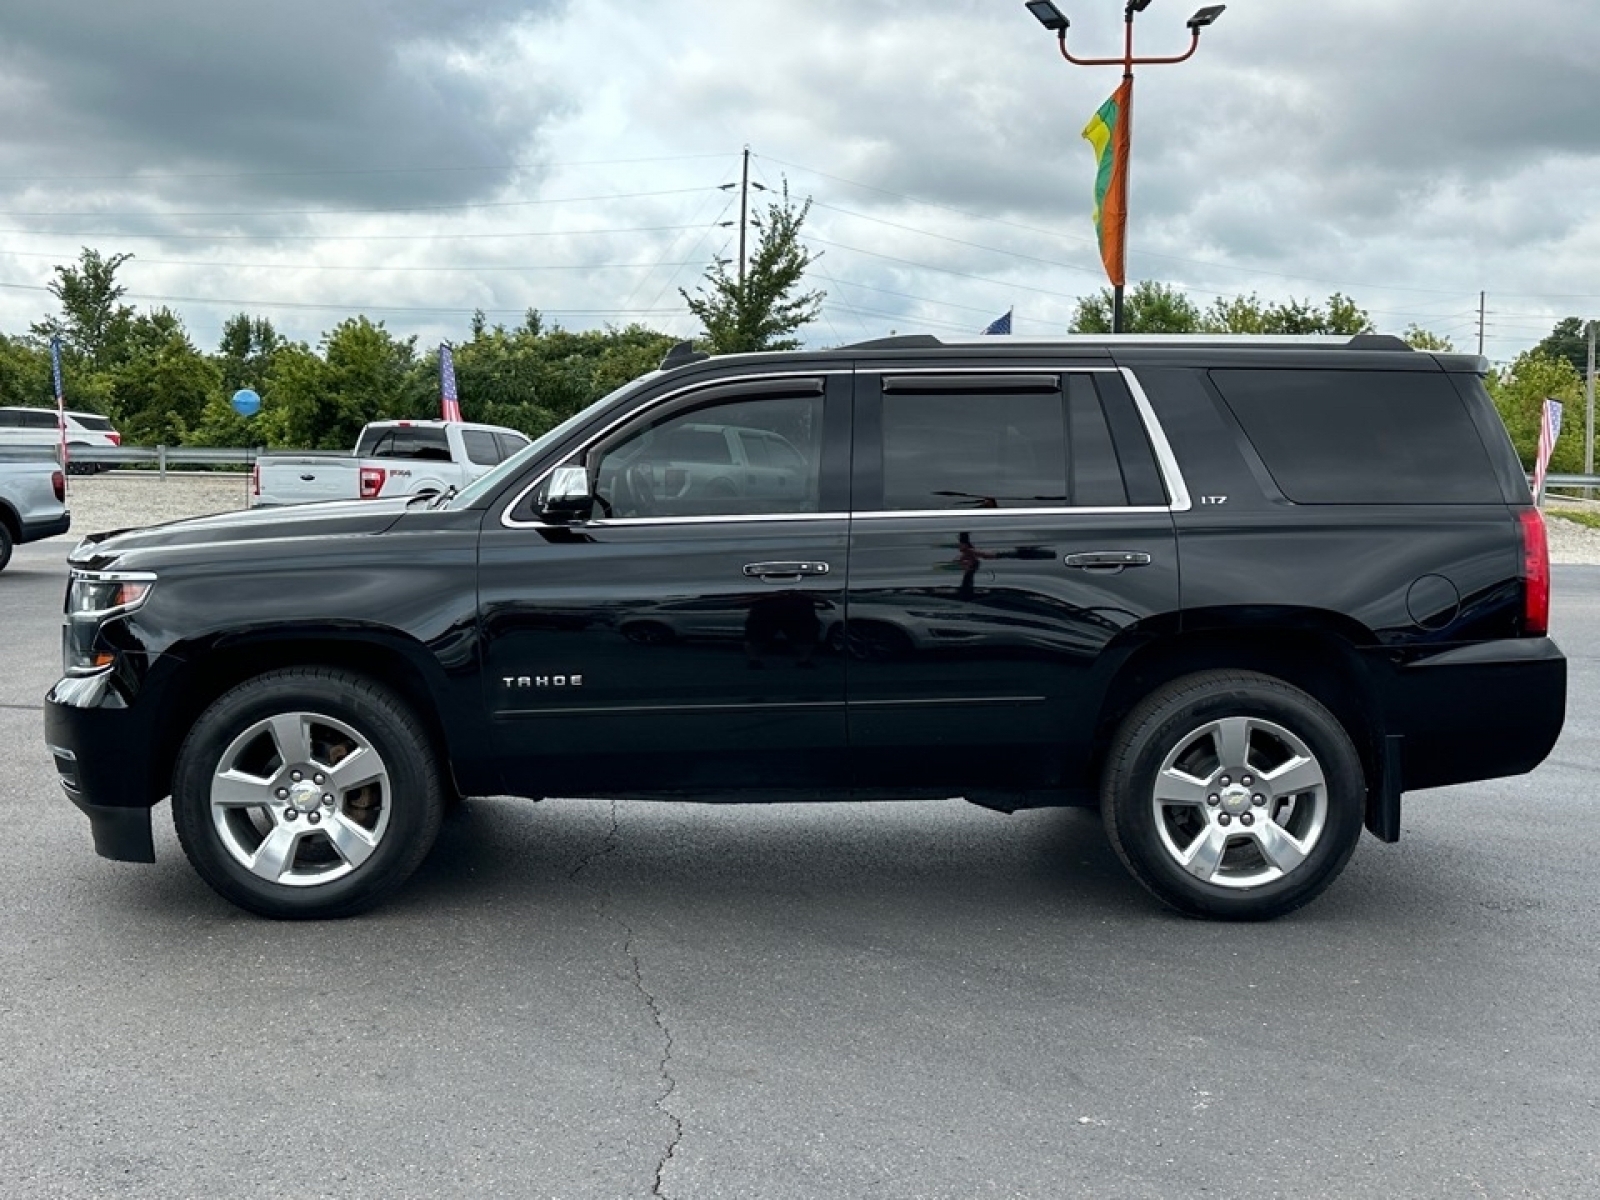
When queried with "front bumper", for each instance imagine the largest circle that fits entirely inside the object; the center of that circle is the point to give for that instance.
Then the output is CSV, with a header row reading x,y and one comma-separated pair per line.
x,y
103,751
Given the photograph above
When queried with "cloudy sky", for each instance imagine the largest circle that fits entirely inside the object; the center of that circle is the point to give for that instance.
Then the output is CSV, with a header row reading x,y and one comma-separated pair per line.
x,y
305,160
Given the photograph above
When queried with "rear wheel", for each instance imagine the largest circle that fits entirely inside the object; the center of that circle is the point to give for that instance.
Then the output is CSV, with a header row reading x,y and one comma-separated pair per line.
x,y
6,542
307,793
1233,795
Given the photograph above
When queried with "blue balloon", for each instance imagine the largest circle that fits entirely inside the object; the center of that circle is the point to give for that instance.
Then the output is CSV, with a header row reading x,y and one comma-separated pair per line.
x,y
246,403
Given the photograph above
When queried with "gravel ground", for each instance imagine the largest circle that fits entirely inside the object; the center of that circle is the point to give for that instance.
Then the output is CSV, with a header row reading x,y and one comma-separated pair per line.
x,y
120,499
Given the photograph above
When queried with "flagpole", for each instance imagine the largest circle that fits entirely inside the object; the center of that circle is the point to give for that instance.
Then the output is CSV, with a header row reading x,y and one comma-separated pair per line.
x,y
61,404
1051,18
1121,166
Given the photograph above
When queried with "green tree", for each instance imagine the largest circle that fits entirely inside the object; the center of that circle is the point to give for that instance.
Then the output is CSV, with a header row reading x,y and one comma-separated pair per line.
x,y
1419,338
93,323
245,354
25,372
1249,314
1148,307
160,389
1569,340
364,374
1519,392
761,310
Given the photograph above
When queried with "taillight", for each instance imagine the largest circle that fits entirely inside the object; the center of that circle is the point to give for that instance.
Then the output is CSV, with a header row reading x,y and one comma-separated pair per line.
x,y
114,438
372,482
58,483
1535,573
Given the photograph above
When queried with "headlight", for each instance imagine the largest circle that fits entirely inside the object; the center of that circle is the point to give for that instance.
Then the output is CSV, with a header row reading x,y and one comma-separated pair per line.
x,y
102,594
93,598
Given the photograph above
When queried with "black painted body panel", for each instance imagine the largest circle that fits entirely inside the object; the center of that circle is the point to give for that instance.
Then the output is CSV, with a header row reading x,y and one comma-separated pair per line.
x,y
940,654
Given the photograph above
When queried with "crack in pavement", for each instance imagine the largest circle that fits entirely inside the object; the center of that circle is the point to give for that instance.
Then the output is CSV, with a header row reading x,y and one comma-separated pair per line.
x,y
23,707
608,846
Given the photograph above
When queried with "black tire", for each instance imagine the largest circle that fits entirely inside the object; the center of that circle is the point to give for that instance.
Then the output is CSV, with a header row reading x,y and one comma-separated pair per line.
x,y
1256,847
386,825
6,544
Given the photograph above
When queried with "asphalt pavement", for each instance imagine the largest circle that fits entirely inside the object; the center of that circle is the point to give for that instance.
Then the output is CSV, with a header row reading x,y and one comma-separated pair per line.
x,y
578,999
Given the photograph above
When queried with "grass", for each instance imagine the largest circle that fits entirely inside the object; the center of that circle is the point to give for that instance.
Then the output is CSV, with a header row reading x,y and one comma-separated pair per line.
x,y
1579,515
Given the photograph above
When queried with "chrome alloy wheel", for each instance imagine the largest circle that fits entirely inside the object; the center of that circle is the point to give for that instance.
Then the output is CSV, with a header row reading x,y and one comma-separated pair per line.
x,y
1240,802
300,799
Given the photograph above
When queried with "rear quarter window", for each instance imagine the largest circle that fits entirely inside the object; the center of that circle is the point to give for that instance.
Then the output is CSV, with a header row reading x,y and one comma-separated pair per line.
x,y
1362,437
481,447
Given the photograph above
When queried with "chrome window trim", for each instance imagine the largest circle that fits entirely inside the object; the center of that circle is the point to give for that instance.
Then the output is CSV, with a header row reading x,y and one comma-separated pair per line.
x,y
664,398
712,519
1086,510
1166,460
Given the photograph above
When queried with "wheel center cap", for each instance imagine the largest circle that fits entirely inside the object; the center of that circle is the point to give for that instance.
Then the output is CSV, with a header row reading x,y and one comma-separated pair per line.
x,y
305,795
1235,799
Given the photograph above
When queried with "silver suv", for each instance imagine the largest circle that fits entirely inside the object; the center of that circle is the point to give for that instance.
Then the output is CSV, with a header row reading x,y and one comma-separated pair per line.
x,y
25,426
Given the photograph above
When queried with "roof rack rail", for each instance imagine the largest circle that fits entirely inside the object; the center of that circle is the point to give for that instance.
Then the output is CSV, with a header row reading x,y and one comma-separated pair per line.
x,y
1359,341
1379,341
904,341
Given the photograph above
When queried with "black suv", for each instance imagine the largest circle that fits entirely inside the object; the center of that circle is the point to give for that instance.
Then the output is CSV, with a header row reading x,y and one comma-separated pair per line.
x,y
1238,594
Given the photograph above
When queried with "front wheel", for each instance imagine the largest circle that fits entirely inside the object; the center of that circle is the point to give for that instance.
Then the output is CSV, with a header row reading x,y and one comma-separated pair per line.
x,y
1233,795
307,793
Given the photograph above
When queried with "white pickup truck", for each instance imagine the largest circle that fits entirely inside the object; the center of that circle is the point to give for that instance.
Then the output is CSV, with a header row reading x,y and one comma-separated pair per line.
x,y
391,458
33,495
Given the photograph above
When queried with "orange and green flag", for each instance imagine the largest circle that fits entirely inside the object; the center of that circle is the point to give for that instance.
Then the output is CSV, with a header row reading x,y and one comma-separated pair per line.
x,y
1108,132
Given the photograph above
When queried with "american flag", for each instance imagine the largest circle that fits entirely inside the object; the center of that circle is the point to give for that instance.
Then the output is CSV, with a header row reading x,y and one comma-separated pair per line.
x,y
449,402
1000,324
1549,431
61,398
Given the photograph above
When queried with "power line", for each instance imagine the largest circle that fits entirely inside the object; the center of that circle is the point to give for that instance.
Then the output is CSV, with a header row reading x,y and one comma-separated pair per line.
x,y
393,308
467,268
319,172
345,212
336,237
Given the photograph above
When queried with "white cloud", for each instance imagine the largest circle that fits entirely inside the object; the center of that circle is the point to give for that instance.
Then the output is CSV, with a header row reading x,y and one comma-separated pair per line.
x,y
1407,155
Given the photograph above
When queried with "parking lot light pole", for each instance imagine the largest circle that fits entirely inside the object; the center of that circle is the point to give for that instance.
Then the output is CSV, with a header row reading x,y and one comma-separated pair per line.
x,y
1053,20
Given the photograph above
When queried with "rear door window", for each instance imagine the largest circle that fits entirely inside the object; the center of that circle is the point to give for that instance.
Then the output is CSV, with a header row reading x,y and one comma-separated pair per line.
x,y
1362,437
1017,441
983,448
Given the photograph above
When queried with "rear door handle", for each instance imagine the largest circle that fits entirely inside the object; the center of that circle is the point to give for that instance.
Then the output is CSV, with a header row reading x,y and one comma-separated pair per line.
x,y
773,571
1109,561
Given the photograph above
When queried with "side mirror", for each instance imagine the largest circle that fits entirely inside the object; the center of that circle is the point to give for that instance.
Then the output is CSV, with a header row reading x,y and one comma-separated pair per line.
x,y
568,498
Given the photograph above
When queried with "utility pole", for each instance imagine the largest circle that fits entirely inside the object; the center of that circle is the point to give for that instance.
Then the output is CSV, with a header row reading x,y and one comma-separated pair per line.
x,y
744,213
744,185
1483,298
1588,410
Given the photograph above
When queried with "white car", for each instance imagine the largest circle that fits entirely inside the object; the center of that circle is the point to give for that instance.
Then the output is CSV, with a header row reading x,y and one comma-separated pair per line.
x,y
26,426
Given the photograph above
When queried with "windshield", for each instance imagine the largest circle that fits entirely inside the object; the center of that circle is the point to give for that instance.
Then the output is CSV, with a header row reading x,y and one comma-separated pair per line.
x,y
484,484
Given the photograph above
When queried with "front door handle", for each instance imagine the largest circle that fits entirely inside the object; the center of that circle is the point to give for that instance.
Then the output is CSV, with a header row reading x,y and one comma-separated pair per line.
x,y
775,571
1107,561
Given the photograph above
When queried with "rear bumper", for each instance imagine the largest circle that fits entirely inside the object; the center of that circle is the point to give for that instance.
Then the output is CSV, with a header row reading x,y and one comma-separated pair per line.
x,y
37,531
1477,712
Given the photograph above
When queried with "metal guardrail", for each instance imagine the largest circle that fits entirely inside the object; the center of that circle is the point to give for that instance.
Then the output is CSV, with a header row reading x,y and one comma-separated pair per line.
x,y
161,456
